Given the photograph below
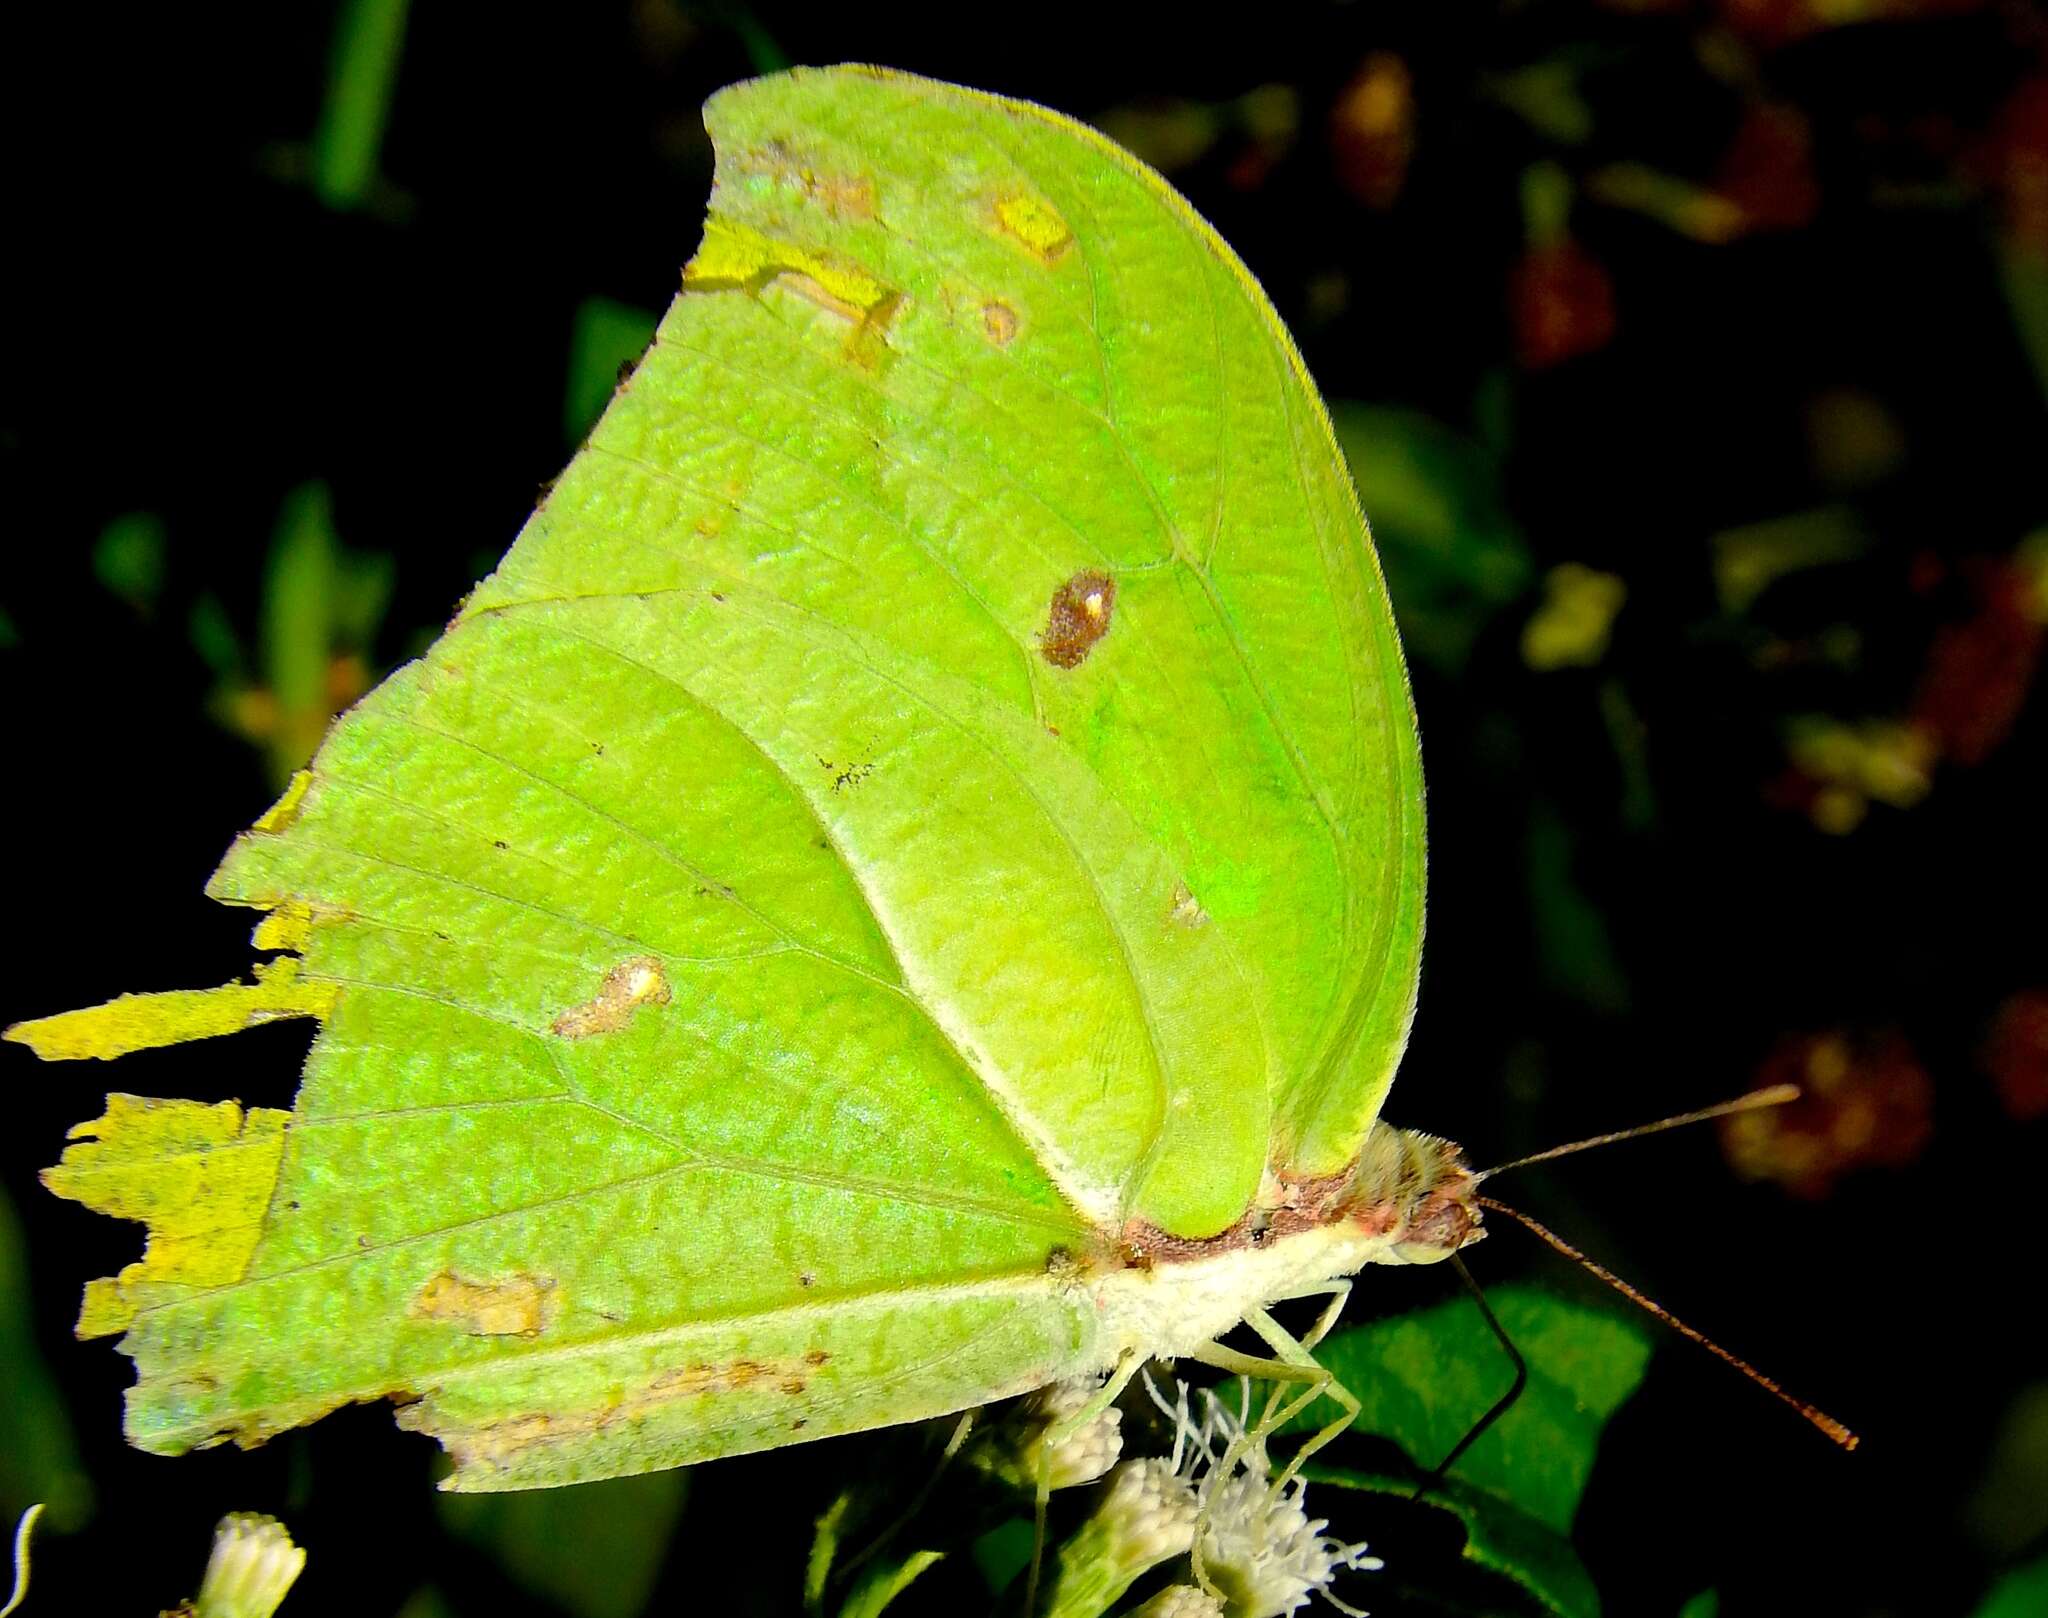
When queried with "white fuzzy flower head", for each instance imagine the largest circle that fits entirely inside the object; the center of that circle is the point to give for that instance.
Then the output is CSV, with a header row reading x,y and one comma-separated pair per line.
x,y
1152,1512
1260,1549
252,1566
1093,1450
1146,1516
1181,1601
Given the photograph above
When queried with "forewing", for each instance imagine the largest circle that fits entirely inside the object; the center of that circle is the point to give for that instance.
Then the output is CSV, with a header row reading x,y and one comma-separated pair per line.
x,y
1069,374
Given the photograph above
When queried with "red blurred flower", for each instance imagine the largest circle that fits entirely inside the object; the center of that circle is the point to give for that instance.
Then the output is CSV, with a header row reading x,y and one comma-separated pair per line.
x,y
1778,22
1978,671
1863,1102
2019,165
1562,302
2016,1053
1767,171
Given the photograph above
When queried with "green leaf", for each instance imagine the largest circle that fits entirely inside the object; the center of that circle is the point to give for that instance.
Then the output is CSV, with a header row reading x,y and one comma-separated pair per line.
x,y
1423,1379
884,1581
1003,1553
920,837
828,1535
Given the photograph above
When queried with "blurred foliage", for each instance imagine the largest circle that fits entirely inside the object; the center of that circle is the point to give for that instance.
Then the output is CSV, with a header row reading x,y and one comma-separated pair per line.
x,y
369,38
2009,1507
1452,556
129,558
2023,1594
603,344
1572,626
1692,357
321,606
550,1540
39,1461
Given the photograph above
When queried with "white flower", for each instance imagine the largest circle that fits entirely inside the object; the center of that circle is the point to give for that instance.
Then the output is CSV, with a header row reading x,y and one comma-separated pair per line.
x,y
1260,1550
1013,1447
1146,1516
1151,1512
252,1566
1180,1601
1093,1449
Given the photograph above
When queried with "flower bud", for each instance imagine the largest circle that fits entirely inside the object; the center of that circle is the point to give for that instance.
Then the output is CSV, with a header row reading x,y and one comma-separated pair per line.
x,y
1011,1448
252,1566
1146,1516
1180,1601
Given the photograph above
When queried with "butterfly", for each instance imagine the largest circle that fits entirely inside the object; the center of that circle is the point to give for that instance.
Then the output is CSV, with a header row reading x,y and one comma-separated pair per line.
x,y
903,888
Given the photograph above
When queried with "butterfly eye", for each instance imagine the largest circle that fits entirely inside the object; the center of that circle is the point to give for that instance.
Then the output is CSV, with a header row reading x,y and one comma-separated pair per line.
x,y
1443,1224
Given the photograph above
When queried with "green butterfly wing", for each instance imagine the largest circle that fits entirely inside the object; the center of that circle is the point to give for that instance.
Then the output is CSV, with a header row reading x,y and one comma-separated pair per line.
x,y
933,783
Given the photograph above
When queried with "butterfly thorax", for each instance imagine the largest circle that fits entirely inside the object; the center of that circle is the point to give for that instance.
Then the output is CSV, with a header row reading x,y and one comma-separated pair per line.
x,y
1408,1198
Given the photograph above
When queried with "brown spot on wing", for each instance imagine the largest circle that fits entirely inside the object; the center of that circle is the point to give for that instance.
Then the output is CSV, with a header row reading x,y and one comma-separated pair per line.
x,y
628,986
519,1306
998,322
499,1443
844,196
1078,616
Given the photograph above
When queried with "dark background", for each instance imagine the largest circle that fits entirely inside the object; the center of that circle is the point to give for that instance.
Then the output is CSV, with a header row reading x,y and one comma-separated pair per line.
x,y
1600,284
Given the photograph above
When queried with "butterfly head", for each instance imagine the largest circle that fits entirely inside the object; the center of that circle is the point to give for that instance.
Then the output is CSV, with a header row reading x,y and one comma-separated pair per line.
x,y
1427,1200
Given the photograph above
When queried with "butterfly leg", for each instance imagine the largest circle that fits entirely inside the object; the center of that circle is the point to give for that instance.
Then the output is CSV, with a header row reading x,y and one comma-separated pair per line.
x,y
1297,1355
1057,1434
1292,1364
1338,1292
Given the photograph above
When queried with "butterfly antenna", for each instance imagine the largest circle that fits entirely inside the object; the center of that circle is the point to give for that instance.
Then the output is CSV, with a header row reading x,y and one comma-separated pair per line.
x,y
1826,1423
1501,1405
1774,1096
